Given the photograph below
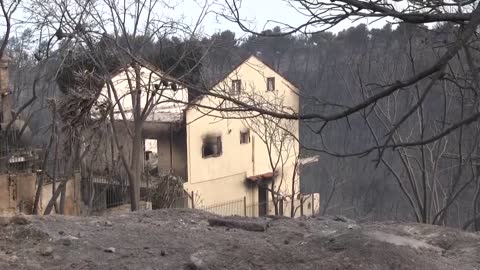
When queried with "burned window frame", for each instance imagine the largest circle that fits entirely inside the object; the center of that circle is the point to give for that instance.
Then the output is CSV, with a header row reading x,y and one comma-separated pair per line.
x,y
212,142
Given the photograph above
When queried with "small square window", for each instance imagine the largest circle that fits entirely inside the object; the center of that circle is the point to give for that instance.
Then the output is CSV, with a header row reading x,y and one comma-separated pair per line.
x,y
236,87
212,146
244,137
271,84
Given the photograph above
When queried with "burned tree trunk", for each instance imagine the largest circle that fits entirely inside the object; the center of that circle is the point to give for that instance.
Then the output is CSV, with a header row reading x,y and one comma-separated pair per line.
x,y
136,165
54,198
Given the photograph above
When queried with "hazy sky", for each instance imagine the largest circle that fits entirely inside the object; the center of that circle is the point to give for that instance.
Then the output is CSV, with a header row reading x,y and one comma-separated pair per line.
x,y
256,13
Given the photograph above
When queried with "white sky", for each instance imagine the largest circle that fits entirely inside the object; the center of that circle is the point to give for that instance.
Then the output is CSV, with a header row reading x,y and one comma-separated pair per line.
x,y
256,15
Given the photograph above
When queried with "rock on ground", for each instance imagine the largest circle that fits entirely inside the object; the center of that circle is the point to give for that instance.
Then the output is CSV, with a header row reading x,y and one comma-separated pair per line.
x,y
183,239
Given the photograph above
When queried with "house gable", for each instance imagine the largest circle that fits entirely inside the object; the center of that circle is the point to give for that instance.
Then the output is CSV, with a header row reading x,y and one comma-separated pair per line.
x,y
170,104
258,66
212,117
254,76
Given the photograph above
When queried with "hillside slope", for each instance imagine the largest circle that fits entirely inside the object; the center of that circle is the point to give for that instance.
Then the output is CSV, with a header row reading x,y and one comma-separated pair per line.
x,y
183,239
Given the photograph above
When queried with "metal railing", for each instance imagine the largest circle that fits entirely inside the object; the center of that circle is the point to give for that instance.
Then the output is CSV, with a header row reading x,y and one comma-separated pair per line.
x,y
104,191
240,207
229,208
14,156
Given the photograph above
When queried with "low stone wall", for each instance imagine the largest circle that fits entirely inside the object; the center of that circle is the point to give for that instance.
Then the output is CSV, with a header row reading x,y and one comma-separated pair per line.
x,y
17,194
7,197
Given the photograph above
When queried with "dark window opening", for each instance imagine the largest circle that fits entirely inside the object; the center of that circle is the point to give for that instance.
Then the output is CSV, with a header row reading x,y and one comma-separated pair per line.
x,y
244,137
236,87
271,84
262,201
212,146
148,154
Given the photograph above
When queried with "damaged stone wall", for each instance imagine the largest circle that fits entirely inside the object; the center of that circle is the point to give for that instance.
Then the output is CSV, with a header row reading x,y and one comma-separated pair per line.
x,y
73,201
17,193
7,195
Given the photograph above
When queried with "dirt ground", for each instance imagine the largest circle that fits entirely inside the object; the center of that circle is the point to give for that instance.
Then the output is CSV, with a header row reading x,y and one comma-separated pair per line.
x,y
183,239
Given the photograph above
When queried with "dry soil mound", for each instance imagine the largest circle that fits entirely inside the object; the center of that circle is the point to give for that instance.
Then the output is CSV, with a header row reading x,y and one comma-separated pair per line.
x,y
184,239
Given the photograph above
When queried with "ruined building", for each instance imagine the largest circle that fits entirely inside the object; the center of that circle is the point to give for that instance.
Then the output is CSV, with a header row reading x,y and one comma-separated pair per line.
x,y
227,158
19,160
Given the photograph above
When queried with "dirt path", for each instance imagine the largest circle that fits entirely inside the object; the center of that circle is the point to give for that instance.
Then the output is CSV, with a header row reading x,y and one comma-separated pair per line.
x,y
183,239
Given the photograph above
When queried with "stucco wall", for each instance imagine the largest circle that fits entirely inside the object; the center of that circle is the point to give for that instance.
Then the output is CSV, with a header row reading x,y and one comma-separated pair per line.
x,y
25,191
163,112
6,199
17,193
72,197
221,190
236,159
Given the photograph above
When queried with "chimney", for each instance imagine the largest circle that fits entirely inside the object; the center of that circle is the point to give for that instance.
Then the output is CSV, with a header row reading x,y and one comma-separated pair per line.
x,y
6,96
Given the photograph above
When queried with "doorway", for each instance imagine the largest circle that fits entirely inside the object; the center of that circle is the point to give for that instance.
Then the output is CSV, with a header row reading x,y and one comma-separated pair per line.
x,y
262,201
